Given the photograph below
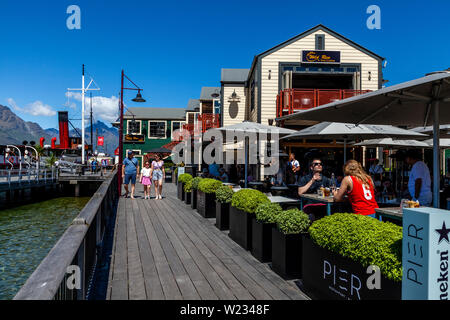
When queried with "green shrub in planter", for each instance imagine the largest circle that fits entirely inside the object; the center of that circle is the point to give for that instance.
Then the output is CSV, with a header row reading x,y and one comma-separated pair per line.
x,y
209,185
224,194
185,177
248,200
267,212
188,186
362,239
292,221
195,182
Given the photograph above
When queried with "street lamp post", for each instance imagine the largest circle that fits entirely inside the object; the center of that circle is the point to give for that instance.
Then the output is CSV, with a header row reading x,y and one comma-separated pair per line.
x,y
137,99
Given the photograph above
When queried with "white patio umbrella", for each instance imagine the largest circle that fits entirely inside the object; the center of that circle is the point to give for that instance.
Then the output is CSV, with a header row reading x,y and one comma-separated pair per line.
x,y
444,130
420,102
254,127
443,143
389,142
336,130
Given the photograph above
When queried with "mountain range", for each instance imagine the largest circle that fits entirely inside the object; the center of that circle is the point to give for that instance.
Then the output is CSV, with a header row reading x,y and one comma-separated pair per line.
x,y
14,130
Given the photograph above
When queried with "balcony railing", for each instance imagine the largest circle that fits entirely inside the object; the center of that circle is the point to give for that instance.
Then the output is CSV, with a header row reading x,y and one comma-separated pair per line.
x,y
204,122
292,100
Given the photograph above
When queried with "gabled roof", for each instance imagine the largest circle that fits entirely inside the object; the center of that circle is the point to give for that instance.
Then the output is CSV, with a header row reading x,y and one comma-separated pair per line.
x,y
193,104
308,32
207,92
155,113
234,75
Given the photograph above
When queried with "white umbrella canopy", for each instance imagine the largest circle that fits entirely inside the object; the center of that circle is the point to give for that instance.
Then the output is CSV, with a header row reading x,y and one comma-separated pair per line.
x,y
443,143
389,142
421,102
337,130
257,128
444,130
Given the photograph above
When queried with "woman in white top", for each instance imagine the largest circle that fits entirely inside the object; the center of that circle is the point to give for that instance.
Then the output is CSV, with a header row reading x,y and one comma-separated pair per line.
x,y
158,175
146,180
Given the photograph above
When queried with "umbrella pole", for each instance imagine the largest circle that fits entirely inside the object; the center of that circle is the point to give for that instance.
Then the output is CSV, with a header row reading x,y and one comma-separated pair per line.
x,y
436,155
345,151
246,160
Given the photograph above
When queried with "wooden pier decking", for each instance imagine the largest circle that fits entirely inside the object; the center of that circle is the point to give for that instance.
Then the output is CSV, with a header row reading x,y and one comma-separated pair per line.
x,y
165,250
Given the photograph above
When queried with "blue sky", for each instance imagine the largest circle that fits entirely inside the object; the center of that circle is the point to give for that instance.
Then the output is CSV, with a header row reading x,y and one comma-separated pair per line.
x,y
173,48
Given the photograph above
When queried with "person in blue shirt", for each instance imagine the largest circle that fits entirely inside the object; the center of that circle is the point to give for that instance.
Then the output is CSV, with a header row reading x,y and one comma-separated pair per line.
x,y
223,175
130,169
214,170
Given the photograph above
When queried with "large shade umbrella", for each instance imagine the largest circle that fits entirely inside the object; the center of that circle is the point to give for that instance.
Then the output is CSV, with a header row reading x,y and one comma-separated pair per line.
x,y
420,102
389,142
336,130
444,130
254,127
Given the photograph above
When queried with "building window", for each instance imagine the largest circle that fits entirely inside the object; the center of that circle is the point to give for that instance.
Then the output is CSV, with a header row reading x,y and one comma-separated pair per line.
x,y
157,129
134,126
252,96
216,106
176,125
320,42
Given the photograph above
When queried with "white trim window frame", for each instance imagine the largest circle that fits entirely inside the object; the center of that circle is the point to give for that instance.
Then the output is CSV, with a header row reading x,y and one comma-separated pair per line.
x,y
171,127
140,126
165,129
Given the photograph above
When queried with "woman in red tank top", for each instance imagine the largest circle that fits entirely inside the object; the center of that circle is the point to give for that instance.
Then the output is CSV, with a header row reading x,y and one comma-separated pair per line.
x,y
358,186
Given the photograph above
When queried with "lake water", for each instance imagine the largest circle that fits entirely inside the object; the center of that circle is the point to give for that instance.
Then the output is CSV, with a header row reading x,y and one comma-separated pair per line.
x,y
27,234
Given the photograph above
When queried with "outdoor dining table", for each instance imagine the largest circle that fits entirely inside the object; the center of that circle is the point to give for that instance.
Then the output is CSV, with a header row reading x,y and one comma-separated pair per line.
x,y
389,212
285,202
328,201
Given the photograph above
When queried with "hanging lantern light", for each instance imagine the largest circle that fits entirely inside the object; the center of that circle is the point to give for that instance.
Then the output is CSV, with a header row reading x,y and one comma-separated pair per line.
x,y
234,97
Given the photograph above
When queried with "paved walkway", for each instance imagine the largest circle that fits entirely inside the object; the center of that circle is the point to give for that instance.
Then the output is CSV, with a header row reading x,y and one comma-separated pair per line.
x,y
165,250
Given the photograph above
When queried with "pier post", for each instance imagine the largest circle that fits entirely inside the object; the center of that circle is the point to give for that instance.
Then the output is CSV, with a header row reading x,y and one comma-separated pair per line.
x,y
77,190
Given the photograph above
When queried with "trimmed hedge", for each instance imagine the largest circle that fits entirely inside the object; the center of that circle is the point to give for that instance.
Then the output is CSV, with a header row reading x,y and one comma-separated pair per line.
x,y
185,177
362,239
188,186
224,194
195,182
267,212
292,221
248,200
208,185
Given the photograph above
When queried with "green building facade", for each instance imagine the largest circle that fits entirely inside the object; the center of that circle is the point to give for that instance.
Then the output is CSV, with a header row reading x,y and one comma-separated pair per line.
x,y
147,128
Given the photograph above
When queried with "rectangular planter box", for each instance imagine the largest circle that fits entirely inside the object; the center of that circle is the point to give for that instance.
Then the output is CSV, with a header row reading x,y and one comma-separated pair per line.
x,y
206,204
180,191
262,240
222,215
241,228
187,197
194,199
327,275
287,254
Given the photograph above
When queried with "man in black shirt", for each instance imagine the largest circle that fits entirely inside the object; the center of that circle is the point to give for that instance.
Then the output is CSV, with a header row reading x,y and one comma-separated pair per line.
x,y
310,184
314,180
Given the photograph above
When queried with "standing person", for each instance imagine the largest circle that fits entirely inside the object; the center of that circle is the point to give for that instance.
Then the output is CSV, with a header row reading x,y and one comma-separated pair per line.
x,y
130,169
376,170
358,185
213,169
419,184
158,175
294,166
146,180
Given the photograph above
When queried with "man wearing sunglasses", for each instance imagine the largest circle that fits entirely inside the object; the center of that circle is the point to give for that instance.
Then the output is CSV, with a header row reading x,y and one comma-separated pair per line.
x,y
314,180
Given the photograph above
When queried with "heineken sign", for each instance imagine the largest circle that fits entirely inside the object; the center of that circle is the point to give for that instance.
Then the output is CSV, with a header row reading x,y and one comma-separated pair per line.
x,y
425,251
321,56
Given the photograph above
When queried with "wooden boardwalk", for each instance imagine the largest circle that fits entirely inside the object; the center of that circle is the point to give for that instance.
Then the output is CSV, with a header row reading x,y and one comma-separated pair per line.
x,y
165,250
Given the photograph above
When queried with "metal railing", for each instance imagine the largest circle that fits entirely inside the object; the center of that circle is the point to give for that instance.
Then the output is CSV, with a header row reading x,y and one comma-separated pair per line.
x,y
67,271
28,176
205,121
291,100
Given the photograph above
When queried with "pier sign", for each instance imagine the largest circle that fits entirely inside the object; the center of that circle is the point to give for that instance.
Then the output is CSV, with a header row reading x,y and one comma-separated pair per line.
x,y
425,254
321,56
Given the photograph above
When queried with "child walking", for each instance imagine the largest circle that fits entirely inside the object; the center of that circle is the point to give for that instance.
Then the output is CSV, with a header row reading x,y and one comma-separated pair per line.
x,y
146,179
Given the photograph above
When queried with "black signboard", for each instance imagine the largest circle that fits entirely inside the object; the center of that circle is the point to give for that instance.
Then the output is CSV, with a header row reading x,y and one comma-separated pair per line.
x,y
134,138
320,56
